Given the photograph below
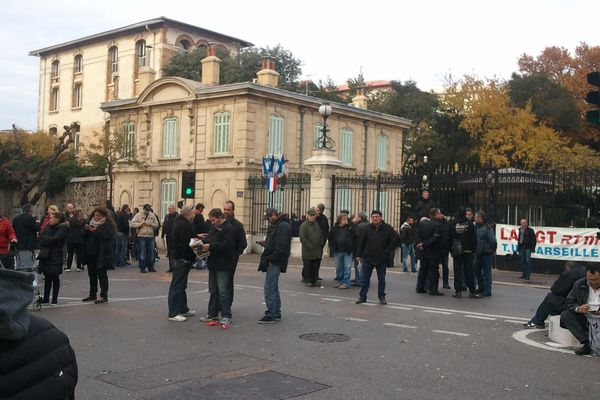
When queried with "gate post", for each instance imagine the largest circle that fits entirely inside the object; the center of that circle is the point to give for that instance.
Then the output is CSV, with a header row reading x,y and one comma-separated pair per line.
x,y
323,165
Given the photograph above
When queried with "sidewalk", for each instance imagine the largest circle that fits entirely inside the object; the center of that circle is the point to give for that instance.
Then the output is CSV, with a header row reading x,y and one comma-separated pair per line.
x,y
500,277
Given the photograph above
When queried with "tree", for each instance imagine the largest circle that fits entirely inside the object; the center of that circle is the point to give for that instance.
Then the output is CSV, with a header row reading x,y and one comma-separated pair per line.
x,y
110,149
27,161
242,68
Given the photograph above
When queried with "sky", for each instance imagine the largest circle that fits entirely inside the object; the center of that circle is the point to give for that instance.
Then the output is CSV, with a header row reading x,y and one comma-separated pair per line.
x,y
420,40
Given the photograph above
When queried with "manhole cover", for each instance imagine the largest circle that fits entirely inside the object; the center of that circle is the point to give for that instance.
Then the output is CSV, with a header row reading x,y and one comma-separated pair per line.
x,y
324,337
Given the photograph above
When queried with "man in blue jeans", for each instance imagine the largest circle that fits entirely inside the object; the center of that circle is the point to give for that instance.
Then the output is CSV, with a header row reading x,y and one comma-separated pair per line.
x,y
145,222
408,237
526,246
274,260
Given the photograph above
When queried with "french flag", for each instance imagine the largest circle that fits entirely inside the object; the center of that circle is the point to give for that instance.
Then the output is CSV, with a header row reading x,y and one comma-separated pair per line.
x,y
272,183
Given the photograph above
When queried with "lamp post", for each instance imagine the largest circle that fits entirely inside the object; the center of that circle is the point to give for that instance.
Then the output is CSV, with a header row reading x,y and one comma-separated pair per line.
x,y
425,179
324,142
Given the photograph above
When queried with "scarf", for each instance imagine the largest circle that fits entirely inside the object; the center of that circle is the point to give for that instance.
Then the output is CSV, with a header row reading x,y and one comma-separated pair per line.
x,y
97,224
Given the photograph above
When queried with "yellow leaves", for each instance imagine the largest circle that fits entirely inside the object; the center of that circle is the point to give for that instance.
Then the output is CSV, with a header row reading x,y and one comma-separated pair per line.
x,y
38,144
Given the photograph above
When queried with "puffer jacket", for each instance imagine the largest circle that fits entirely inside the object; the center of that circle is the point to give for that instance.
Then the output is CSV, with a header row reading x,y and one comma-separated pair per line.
x,y
52,240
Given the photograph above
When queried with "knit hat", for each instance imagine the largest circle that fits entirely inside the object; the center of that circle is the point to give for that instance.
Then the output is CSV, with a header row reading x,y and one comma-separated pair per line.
x,y
16,294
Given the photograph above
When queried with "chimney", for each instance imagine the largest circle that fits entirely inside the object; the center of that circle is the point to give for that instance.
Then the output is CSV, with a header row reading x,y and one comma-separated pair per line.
x,y
146,76
267,75
211,66
360,100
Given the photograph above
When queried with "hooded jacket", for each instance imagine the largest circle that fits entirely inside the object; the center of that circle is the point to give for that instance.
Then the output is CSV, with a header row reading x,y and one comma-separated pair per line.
x,y
37,360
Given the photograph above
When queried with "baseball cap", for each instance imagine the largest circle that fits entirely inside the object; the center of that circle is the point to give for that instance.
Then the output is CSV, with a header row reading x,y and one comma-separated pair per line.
x,y
311,212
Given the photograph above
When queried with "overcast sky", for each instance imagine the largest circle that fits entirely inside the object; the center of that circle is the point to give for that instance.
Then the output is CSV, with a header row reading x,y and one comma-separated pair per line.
x,y
417,39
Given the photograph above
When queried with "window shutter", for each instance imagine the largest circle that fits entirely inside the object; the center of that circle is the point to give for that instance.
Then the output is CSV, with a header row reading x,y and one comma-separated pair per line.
x,y
276,136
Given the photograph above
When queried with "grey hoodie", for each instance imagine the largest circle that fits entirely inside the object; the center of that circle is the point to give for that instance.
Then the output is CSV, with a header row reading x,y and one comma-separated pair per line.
x,y
16,293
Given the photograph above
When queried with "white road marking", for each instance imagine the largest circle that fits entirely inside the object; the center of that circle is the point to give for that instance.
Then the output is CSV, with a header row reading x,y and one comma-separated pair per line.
x,y
354,319
480,317
330,299
399,325
399,308
521,336
309,313
511,321
438,312
451,333
120,300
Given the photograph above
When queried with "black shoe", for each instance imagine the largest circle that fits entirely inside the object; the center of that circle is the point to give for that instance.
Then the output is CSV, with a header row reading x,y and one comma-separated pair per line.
x,y
584,351
143,271
421,291
436,293
89,298
319,279
45,301
267,320
446,286
101,300
336,279
531,325
457,295
383,301
475,296
151,270
361,300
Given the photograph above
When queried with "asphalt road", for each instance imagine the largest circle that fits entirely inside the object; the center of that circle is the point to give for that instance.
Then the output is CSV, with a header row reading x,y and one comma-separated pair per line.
x,y
416,347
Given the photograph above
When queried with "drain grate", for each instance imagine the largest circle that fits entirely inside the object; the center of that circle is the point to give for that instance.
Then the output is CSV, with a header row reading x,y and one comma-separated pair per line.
x,y
324,337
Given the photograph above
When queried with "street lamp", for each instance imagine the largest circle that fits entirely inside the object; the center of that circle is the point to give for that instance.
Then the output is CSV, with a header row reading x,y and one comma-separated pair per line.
x,y
325,142
425,179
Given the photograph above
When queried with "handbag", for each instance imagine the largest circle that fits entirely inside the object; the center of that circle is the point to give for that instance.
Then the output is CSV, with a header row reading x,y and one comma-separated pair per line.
x,y
456,250
44,253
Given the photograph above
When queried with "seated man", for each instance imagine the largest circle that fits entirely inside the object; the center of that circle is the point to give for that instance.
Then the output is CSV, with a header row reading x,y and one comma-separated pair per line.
x,y
555,302
584,298
37,359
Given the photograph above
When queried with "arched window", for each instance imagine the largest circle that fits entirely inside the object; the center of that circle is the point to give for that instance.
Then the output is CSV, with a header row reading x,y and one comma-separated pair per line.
x,y
346,146
170,135
113,59
221,133
382,152
184,44
78,64
55,69
275,136
140,51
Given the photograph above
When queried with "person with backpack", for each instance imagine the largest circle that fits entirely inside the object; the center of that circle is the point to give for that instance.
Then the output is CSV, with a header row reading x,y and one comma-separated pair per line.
x,y
463,244
145,222
486,247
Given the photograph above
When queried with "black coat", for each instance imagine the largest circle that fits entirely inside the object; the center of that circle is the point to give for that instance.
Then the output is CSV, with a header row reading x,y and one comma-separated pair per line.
x,y
122,222
343,238
26,230
41,365
167,225
376,244
430,232
222,248
423,207
240,236
408,234
445,240
200,224
465,231
557,298
179,240
578,294
52,240
529,240
278,244
99,245
75,232
324,225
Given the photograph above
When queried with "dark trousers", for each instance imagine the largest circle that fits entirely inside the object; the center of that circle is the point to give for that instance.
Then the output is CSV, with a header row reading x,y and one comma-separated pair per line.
x,y
310,270
367,271
51,283
8,260
97,274
177,300
577,324
75,249
463,273
220,296
429,273
445,270
551,305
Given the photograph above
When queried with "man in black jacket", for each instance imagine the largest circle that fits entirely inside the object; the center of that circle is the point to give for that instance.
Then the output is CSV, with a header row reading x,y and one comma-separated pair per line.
x,y
583,298
26,229
183,257
424,205
274,261
526,247
373,250
240,243
167,227
122,222
37,360
555,302
428,243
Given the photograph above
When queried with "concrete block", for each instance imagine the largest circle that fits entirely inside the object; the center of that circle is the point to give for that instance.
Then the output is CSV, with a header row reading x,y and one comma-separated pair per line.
x,y
560,335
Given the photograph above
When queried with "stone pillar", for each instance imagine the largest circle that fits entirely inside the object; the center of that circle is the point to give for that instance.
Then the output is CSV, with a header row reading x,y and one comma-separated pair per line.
x,y
146,76
323,164
360,100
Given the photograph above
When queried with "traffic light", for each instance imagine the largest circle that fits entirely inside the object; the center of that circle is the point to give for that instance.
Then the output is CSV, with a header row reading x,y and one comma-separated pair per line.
x,y
188,184
593,97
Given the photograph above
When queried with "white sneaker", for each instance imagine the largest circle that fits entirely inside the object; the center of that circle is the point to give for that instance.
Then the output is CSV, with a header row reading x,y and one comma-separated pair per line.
x,y
178,318
190,313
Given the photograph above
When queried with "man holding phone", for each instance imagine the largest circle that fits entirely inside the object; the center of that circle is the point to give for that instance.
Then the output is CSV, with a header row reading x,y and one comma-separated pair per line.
x,y
583,304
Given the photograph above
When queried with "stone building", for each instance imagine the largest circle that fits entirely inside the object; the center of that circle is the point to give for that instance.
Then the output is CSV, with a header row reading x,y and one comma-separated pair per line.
x,y
222,133
76,76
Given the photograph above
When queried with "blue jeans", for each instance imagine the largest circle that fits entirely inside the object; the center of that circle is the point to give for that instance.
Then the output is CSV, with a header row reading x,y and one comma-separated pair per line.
x,y
177,296
366,272
220,295
145,252
343,267
526,262
358,276
121,249
408,250
272,298
483,269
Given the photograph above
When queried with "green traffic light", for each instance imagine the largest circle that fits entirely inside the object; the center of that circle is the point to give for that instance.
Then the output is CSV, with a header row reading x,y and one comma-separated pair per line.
x,y
188,190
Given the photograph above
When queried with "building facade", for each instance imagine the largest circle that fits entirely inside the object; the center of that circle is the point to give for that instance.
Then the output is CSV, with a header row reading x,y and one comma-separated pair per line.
x,y
77,76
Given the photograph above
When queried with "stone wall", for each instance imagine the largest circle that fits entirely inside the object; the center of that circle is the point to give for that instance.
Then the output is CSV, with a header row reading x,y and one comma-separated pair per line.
x,y
86,193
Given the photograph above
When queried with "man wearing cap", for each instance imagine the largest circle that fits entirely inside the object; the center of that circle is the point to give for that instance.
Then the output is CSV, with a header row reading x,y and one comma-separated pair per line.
x,y
312,240
181,257
274,260
26,229
373,250
145,222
